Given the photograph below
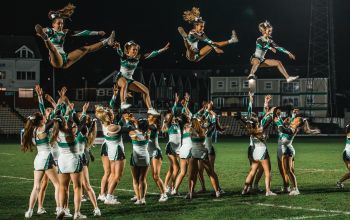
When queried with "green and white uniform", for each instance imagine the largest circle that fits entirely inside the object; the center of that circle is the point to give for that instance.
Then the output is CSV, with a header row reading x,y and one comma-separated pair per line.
x,y
262,45
44,159
114,144
198,150
193,38
153,145
285,141
208,143
128,65
259,149
69,160
185,149
173,145
57,38
140,156
81,141
346,152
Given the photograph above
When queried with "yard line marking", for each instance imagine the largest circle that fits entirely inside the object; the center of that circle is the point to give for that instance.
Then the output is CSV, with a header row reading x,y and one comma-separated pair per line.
x,y
27,179
308,217
322,170
299,208
8,154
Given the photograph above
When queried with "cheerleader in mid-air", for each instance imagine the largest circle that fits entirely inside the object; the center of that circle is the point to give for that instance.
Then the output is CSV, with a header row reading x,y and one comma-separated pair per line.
x,y
129,60
263,44
54,38
193,53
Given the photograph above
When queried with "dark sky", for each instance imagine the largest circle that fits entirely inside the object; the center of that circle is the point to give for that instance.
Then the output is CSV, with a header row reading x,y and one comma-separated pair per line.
x,y
154,22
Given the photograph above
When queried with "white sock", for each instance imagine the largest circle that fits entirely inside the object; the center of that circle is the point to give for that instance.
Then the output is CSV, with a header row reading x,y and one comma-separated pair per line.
x,y
105,41
231,41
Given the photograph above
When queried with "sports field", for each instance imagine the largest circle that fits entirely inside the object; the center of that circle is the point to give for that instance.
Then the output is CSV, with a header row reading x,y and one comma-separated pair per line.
x,y
318,167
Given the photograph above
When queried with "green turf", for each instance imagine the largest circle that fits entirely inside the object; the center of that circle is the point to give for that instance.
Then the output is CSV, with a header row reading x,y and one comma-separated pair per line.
x,y
318,166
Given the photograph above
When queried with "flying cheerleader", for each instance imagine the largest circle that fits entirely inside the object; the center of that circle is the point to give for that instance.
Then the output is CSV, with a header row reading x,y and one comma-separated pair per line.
x,y
55,36
193,53
263,44
129,60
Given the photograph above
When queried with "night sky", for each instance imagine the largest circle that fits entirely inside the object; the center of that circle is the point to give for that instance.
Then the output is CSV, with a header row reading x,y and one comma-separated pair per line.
x,y
152,23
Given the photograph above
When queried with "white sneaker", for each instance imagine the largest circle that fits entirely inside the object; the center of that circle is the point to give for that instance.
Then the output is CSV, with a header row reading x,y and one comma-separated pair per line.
x,y
83,198
111,39
102,197
111,201
168,190
251,76
294,192
270,193
97,212
67,213
174,193
285,189
340,185
133,199
163,198
29,213
60,213
143,201
78,215
152,111
234,38
41,211
217,194
292,78
138,202
124,106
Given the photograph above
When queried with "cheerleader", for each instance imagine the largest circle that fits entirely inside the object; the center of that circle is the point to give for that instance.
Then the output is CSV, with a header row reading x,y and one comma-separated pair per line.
x,y
263,44
129,60
199,153
346,158
193,53
115,150
288,151
155,153
140,158
65,132
54,38
36,134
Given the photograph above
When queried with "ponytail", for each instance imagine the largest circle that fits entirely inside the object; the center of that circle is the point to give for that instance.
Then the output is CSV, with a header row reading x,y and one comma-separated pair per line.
x,y
64,13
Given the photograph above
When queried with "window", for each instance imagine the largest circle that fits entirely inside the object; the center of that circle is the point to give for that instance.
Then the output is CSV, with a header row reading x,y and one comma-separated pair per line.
x,y
25,93
310,99
293,87
2,89
268,85
24,52
23,75
223,113
2,74
220,84
234,84
245,84
309,84
219,102
290,101
30,75
101,92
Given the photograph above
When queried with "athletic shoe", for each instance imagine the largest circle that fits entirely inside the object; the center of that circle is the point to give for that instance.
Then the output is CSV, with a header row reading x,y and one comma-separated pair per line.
x,y
217,194
143,201
111,39
67,213
60,213
188,196
182,32
270,193
294,192
234,38
40,32
152,111
78,215
163,198
29,213
97,212
83,198
138,202
292,78
124,106
251,76
340,185
168,190
41,211
174,193
111,201
133,199
102,198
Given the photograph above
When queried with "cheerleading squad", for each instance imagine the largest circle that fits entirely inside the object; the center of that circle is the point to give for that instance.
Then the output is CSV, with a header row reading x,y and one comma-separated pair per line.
x,y
63,137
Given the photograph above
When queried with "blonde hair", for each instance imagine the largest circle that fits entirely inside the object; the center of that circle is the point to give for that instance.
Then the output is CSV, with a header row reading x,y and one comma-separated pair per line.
x,y
264,25
105,115
63,13
192,16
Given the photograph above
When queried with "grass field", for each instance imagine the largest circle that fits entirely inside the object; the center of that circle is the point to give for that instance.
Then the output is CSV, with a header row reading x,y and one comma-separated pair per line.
x,y
318,166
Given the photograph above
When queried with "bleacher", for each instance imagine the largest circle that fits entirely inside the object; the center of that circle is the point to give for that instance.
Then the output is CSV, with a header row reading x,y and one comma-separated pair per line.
x,y
10,122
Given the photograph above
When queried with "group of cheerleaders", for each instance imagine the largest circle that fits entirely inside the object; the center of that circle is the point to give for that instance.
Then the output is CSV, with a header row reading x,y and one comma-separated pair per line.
x,y
63,137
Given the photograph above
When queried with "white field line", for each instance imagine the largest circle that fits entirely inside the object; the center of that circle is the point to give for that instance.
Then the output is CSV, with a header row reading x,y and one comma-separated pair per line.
x,y
322,170
27,179
308,217
299,208
7,154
